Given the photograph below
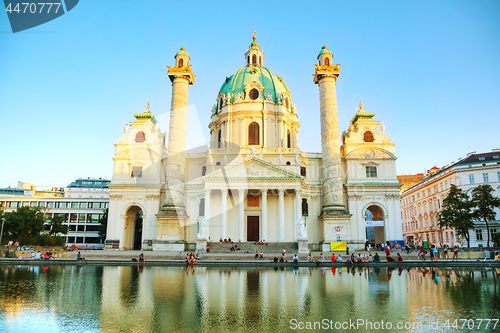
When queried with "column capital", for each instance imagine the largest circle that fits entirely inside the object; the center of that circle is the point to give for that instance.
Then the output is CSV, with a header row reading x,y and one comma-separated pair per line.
x,y
281,191
241,191
264,191
207,191
224,191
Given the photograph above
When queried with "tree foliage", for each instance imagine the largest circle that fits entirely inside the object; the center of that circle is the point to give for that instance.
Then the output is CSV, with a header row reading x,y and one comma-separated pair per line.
x,y
103,224
483,205
456,213
24,224
57,226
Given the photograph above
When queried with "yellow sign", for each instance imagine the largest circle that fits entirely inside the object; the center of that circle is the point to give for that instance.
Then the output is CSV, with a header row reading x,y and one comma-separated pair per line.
x,y
338,246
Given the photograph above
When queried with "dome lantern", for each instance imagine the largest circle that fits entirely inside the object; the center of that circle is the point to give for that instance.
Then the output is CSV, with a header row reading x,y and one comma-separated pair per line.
x,y
254,55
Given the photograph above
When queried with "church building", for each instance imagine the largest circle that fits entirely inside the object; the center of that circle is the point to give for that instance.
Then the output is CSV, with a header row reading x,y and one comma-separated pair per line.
x,y
253,182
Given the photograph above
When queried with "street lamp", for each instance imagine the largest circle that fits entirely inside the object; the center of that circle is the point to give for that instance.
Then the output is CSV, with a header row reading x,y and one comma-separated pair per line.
x,y
1,233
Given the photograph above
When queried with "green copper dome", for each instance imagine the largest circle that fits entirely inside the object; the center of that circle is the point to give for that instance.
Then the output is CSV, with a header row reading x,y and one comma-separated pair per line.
x,y
182,51
324,50
272,83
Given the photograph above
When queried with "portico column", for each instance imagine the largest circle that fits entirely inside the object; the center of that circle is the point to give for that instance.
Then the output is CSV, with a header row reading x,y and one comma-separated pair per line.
x,y
224,214
264,214
241,214
207,210
298,204
281,216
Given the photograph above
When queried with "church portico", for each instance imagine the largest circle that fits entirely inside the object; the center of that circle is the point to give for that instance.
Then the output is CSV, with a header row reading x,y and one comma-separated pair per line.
x,y
265,200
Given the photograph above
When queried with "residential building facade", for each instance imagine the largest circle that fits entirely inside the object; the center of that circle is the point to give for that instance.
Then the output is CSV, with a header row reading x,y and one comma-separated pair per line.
x,y
421,203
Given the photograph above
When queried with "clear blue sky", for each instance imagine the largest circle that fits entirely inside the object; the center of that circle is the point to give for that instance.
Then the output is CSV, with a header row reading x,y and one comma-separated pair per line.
x,y
430,70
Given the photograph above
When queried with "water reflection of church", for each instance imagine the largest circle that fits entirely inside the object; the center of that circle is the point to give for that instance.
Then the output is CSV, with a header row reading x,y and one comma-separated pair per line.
x,y
253,182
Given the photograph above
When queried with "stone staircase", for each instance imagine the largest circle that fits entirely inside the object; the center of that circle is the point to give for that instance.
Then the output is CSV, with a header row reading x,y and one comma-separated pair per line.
x,y
276,247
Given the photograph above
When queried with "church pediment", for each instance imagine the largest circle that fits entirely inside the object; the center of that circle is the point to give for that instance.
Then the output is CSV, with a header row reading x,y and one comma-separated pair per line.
x,y
370,153
253,168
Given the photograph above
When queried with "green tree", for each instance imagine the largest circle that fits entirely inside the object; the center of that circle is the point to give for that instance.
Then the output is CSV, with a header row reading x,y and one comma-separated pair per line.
x,y
483,205
456,213
57,225
103,225
25,223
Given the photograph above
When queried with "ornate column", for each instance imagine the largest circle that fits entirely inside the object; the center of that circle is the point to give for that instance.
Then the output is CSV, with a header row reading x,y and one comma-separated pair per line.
x,y
176,161
264,214
325,77
224,214
281,216
171,219
241,215
334,213
298,205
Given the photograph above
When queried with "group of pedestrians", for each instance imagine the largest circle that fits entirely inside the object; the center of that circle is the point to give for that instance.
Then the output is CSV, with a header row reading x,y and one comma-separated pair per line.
x,y
434,253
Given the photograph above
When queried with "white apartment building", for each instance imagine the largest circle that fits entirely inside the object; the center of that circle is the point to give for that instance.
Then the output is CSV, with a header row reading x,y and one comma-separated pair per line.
x,y
421,202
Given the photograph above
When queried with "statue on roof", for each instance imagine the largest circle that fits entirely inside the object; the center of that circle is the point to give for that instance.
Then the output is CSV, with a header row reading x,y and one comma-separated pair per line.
x,y
147,107
361,106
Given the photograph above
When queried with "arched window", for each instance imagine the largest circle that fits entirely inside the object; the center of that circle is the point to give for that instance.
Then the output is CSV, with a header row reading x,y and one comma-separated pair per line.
x,y
287,103
254,94
140,137
181,63
248,60
368,136
254,60
253,134
219,139
327,62
288,140
260,61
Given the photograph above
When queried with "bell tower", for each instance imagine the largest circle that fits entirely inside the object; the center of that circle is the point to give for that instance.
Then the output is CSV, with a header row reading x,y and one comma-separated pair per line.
x,y
172,217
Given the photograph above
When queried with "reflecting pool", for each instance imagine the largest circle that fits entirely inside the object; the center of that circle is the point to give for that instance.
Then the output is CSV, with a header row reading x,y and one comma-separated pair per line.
x,y
211,299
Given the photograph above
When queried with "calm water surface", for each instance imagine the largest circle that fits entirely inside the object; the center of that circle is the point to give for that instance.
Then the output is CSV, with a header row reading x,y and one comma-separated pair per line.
x,y
210,299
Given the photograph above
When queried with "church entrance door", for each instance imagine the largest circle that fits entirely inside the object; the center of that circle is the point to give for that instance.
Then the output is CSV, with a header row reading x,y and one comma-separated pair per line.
x,y
252,228
138,232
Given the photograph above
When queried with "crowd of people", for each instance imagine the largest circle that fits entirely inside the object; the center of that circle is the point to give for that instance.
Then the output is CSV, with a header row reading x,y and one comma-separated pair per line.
x,y
192,258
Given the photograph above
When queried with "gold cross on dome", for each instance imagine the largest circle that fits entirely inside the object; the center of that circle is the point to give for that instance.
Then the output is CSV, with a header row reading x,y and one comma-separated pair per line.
x,y
254,37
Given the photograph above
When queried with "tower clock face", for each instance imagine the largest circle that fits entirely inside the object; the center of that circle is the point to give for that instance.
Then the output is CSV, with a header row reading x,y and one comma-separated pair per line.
x,y
370,153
